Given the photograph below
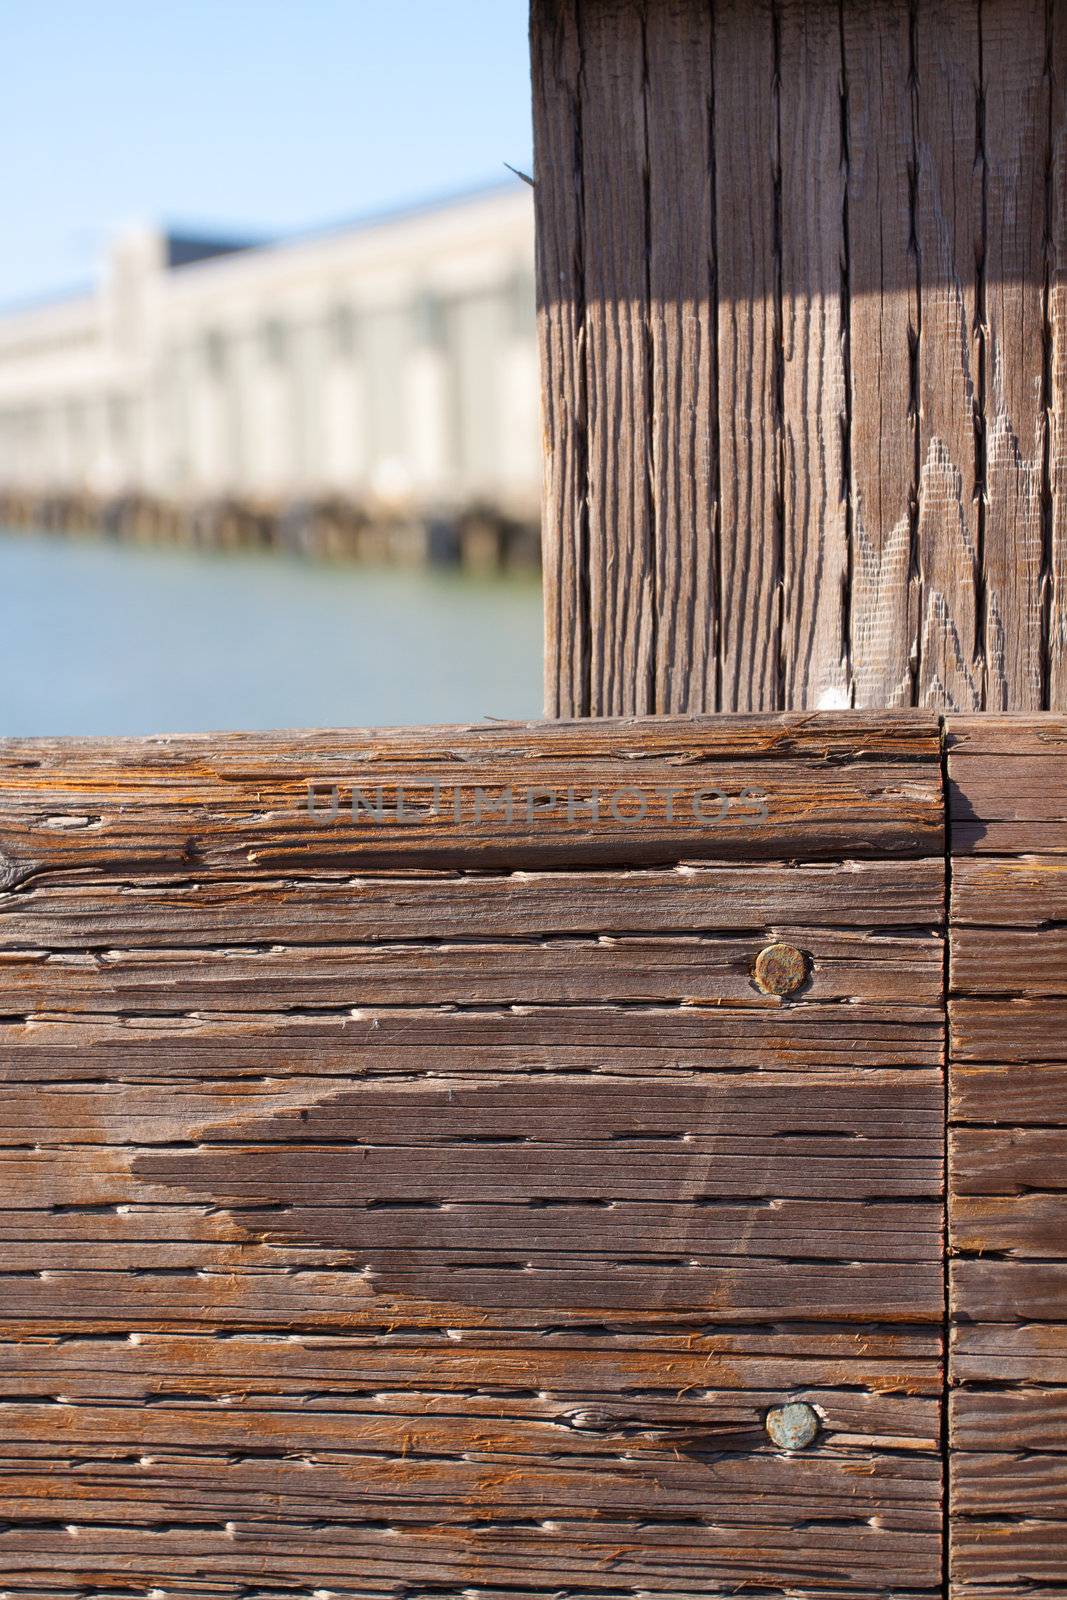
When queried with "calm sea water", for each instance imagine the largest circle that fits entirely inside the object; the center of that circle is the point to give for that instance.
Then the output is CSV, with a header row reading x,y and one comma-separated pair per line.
x,y
107,638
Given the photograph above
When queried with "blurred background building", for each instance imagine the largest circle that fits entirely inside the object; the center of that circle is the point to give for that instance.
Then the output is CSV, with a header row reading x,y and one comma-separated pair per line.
x,y
260,473
371,383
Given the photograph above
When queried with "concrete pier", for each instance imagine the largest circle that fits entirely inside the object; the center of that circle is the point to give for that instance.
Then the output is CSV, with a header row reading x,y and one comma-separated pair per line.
x,y
479,538
369,391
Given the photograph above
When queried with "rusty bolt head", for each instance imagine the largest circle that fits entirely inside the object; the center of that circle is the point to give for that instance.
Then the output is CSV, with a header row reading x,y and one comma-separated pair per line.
x,y
780,969
792,1427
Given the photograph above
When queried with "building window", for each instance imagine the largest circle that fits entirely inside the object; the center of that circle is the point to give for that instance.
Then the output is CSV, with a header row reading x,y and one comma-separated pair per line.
x,y
214,353
428,316
343,332
274,340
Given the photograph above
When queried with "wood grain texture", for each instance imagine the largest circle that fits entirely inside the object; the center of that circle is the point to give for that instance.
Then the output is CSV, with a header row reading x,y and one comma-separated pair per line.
x,y
380,1218
1015,92
555,58
1028,891
1008,1030
1022,961
811,365
948,231
1006,785
492,1195
883,332
618,970
815,556
509,795
679,103
617,353
373,1424
1033,1353
749,342
334,908
1007,1153
398,1040
1055,574
1035,1093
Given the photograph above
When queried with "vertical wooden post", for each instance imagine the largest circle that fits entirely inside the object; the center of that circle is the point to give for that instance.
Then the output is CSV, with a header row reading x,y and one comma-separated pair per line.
x,y
800,269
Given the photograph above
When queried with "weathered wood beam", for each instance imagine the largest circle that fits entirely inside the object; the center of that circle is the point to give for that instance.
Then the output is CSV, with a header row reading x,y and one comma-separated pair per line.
x,y
431,1199
801,304
1007,1180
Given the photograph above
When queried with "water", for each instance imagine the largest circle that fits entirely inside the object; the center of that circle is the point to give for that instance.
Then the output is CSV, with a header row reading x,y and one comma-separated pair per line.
x,y
107,638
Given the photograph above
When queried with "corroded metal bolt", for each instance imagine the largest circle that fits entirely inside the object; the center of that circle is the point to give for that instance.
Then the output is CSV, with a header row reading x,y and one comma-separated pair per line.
x,y
792,1427
780,969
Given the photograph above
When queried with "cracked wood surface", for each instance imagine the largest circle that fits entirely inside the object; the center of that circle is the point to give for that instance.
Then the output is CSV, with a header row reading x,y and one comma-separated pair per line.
x,y
883,333
1008,1154
748,397
803,322
438,1207
815,532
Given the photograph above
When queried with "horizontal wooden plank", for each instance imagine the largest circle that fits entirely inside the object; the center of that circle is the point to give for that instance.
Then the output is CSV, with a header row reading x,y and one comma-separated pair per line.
x,y
1026,1352
739,897
240,802
141,1236
401,1042
1007,836
1023,1094
574,1400
1007,791
240,1295
1008,1290
998,1558
540,1434
601,1363
900,735
460,1442
1026,891
1027,1224
1022,790
991,733
711,970
655,1484
1007,1160
263,1174
1008,1419
579,1111
601,1556
1008,1030
1029,962
1005,1484
45,1588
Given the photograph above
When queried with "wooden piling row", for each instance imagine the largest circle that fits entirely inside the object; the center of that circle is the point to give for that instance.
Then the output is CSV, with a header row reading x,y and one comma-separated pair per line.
x,y
479,538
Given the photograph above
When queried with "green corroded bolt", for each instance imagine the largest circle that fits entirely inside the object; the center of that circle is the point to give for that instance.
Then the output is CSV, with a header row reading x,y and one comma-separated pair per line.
x,y
792,1427
780,969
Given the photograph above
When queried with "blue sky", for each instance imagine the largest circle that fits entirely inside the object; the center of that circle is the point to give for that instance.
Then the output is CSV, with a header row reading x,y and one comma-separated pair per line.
x,y
265,116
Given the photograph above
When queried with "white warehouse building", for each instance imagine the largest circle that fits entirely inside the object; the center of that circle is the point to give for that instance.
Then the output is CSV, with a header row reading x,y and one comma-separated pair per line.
x,y
391,363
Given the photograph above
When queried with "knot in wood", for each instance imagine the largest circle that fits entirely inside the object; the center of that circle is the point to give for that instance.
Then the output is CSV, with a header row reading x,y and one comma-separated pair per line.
x,y
591,1419
780,969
